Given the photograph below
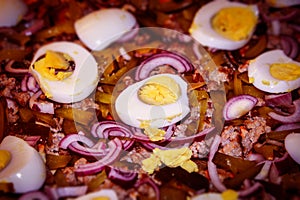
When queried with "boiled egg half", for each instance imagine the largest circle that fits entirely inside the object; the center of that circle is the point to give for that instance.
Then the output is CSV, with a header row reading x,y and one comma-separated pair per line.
x,y
223,24
158,101
100,28
65,71
274,72
11,12
21,165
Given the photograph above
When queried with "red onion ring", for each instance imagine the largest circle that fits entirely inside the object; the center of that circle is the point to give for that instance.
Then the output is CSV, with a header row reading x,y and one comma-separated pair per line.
x,y
34,195
277,100
293,118
33,26
232,108
289,46
244,193
115,148
87,151
151,146
150,182
41,106
29,84
178,62
126,178
264,172
69,139
212,168
32,139
106,129
285,127
8,67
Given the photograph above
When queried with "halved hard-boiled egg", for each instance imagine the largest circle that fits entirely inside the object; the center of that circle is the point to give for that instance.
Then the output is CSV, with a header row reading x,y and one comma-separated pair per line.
x,y
224,24
65,71
274,72
158,101
104,194
21,165
11,12
100,28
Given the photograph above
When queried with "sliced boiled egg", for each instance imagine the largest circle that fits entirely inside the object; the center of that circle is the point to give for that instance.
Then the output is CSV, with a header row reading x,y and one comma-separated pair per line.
x,y
223,24
100,28
104,194
11,12
274,72
226,195
158,101
21,165
291,143
65,71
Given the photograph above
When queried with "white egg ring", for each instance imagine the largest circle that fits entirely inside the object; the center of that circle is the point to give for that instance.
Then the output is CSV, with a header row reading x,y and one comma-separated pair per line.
x,y
202,29
100,28
27,171
259,73
80,84
133,111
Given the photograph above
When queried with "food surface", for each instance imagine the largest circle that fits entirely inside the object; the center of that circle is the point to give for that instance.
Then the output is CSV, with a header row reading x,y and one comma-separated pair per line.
x,y
150,99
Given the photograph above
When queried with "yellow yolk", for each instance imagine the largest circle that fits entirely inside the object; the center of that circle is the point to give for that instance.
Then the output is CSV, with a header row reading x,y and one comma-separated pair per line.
x,y
100,198
171,158
5,158
159,90
229,195
154,134
234,23
285,71
52,62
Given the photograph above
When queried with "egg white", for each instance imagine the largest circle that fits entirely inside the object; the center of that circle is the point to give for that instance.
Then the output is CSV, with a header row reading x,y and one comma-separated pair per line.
x,y
291,143
100,28
26,169
76,87
259,72
132,111
203,32
11,12
110,194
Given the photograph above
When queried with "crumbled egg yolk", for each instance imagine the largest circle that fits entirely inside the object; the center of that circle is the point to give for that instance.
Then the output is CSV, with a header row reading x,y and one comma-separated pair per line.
x,y
5,158
171,158
154,134
229,195
52,62
159,90
234,23
285,71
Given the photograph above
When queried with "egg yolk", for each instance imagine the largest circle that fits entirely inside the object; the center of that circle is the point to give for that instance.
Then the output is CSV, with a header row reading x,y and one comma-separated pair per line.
x,y
285,71
229,195
5,158
54,66
100,198
159,90
234,23
171,158
154,134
